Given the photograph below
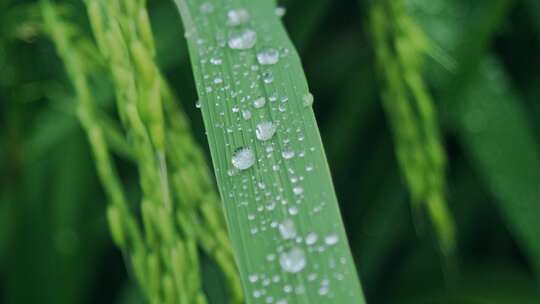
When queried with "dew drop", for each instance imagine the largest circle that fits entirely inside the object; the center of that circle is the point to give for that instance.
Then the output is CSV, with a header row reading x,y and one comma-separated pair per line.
x,y
268,77
308,100
280,11
207,8
293,260
287,229
298,190
198,104
268,57
215,61
324,288
246,114
293,210
259,102
331,239
287,154
243,41
265,130
237,17
253,278
311,238
243,158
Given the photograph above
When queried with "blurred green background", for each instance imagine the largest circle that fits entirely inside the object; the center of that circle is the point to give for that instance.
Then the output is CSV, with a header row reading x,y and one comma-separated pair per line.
x,y
54,242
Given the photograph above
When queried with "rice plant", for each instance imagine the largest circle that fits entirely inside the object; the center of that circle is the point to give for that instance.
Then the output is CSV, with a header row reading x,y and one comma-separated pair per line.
x,y
161,258
270,165
125,39
172,151
399,47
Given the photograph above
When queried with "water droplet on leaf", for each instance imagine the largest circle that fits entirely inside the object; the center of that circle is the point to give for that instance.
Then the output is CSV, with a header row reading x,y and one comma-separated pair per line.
x,y
237,16
331,239
243,41
287,229
265,130
293,260
259,102
308,99
268,57
243,158
280,11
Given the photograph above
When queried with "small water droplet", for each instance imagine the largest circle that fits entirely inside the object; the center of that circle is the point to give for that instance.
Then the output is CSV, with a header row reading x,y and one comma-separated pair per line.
x,y
293,260
280,11
237,17
243,41
268,77
207,8
265,130
331,239
308,100
198,104
287,154
268,57
253,278
287,229
218,80
243,158
259,102
246,114
270,257
293,210
298,190
324,288
215,61
311,238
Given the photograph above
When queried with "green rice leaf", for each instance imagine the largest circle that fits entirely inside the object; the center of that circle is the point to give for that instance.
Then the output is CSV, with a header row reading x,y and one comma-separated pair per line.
x,y
282,212
497,135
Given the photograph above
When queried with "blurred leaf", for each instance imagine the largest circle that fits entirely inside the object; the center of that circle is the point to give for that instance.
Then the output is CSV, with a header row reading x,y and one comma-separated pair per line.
x,y
495,132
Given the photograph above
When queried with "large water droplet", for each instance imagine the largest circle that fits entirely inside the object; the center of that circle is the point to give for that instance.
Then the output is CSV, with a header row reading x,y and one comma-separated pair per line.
x,y
267,57
243,158
265,130
293,260
287,229
237,16
243,41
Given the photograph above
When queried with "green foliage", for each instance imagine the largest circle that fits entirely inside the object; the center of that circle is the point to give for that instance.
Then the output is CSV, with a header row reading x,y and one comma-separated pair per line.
x,y
77,154
399,47
270,165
